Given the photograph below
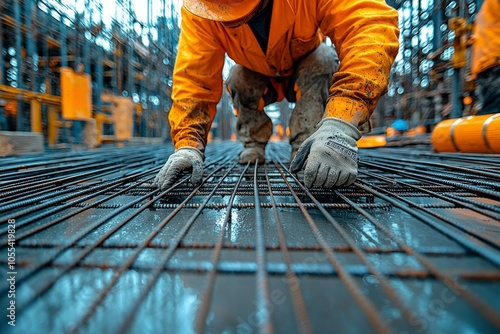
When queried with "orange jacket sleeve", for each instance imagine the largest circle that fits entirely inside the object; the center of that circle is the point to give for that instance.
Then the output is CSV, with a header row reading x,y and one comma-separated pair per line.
x,y
365,34
197,83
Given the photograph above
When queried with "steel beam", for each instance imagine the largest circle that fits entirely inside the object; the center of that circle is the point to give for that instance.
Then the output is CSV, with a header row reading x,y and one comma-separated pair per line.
x,y
2,63
63,42
30,44
98,60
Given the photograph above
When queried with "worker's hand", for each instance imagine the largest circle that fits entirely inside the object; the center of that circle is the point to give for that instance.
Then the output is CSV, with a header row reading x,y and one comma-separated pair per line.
x,y
185,159
330,155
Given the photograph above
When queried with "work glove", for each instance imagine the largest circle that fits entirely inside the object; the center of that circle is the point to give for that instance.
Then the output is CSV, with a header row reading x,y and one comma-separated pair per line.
x,y
330,155
185,159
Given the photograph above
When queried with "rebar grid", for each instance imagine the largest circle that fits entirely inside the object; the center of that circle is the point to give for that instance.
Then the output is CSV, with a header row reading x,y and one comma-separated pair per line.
x,y
411,246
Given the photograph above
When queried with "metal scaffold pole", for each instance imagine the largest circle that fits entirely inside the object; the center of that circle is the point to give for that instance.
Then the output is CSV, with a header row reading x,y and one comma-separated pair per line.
x,y
2,63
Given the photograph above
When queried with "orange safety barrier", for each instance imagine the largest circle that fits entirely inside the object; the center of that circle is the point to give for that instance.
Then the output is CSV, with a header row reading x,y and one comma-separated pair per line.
x,y
390,131
372,141
418,130
76,95
472,134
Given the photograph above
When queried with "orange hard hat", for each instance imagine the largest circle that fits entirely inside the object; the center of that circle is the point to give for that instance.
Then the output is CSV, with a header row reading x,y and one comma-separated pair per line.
x,y
221,10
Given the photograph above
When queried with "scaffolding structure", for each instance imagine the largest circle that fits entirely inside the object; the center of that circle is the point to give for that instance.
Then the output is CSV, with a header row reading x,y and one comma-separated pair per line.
x,y
430,75
128,47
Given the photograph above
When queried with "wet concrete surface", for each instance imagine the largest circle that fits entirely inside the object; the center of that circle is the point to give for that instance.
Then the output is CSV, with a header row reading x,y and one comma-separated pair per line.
x,y
91,257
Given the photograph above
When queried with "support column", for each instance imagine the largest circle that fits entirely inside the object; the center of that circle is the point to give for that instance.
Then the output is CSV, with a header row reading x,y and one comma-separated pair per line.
x,y
30,45
456,94
19,43
99,77
437,45
130,68
86,42
456,86
19,60
2,65
36,116
63,43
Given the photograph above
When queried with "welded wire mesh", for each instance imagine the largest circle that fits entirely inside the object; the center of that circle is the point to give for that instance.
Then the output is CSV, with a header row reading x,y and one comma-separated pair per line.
x,y
412,246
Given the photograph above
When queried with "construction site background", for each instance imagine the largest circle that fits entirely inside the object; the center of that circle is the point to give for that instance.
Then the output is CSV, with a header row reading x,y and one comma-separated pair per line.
x,y
127,49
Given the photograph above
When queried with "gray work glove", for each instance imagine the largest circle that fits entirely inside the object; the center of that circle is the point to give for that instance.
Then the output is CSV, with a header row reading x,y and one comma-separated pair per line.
x,y
330,155
185,159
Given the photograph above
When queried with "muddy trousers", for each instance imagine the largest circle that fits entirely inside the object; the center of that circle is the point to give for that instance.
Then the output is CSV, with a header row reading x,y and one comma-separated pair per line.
x,y
488,90
308,87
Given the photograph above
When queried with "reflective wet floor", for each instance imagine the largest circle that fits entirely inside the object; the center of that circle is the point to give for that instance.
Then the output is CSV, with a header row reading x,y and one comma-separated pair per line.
x,y
412,246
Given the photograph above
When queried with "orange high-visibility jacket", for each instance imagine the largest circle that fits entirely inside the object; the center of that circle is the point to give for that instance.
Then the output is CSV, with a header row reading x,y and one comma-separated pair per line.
x,y
365,34
486,48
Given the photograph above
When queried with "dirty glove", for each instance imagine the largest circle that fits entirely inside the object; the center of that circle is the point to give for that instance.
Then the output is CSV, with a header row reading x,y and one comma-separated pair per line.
x,y
330,155
185,159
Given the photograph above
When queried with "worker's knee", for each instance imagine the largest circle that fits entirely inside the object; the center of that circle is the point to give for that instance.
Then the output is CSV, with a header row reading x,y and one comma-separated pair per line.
x,y
322,61
246,87
316,71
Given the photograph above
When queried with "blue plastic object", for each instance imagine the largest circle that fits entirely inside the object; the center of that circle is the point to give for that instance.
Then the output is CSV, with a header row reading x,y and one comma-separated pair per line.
x,y
400,125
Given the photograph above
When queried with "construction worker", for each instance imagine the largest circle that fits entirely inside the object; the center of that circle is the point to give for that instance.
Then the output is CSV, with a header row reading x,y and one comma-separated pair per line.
x,y
485,67
279,51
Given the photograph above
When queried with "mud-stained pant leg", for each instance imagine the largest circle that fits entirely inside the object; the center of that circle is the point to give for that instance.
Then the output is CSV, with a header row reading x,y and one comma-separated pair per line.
x,y
254,127
488,90
313,78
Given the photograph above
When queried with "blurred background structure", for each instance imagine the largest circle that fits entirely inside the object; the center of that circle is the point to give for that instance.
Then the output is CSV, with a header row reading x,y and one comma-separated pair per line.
x,y
413,246
430,78
128,48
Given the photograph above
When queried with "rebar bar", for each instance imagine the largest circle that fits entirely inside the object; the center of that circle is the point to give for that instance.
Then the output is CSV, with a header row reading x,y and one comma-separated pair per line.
x,y
380,252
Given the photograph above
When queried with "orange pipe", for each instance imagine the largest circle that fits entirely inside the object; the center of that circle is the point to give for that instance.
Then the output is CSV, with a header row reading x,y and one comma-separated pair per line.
x,y
371,141
471,134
